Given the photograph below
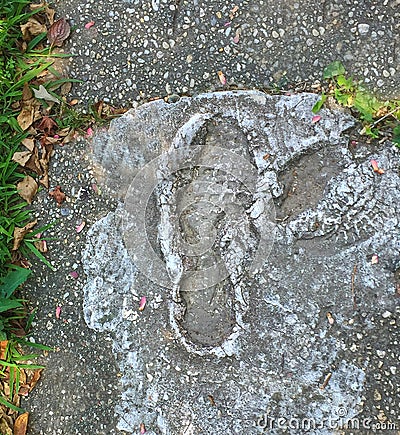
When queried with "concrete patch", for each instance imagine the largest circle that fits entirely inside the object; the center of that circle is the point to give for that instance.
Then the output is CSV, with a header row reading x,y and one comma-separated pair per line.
x,y
244,224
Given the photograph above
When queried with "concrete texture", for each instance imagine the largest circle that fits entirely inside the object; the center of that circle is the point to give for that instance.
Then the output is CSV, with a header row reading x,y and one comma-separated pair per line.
x,y
258,343
138,50
222,361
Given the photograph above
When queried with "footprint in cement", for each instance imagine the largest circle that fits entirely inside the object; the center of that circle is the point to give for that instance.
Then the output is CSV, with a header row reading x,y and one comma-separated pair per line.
x,y
211,238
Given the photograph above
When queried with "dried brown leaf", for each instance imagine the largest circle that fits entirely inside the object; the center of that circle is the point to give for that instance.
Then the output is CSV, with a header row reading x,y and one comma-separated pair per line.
x,y
58,195
41,246
22,157
47,124
25,118
27,188
29,144
5,428
3,346
58,32
33,163
69,137
65,88
20,233
48,11
21,424
26,92
35,378
32,28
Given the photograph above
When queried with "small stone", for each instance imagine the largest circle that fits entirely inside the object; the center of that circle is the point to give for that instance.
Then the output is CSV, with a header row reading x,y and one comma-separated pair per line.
x,y
315,32
363,28
377,395
275,34
65,211
386,314
381,353
393,370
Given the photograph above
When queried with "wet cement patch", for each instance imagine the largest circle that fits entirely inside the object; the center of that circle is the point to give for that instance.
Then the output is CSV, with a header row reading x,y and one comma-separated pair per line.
x,y
254,343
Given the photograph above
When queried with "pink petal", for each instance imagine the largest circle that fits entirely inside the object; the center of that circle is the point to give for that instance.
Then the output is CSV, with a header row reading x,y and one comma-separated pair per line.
x,y
74,274
236,38
95,188
89,132
374,259
315,119
142,303
80,227
89,24
58,312
221,77
142,428
228,23
376,167
330,318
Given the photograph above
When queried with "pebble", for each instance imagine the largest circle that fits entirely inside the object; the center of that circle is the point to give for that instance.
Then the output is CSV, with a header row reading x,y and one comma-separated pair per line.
x,y
377,395
65,211
363,28
381,353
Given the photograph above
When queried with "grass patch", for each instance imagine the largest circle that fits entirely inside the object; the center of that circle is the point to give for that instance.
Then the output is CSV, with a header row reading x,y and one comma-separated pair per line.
x,y
380,118
22,60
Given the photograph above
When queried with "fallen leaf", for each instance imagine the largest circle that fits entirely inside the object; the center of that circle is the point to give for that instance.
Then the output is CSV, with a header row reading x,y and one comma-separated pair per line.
x,y
44,6
80,227
26,92
41,245
35,378
21,424
376,167
22,157
69,137
89,24
47,124
3,349
29,144
32,28
20,233
43,94
374,259
27,188
65,88
58,195
74,274
58,312
25,117
266,157
316,118
221,77
142,303
58,32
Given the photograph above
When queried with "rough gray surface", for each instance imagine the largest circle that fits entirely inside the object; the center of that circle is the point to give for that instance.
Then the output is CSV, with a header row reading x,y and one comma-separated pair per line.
x,y
189,368
79,388
141,49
